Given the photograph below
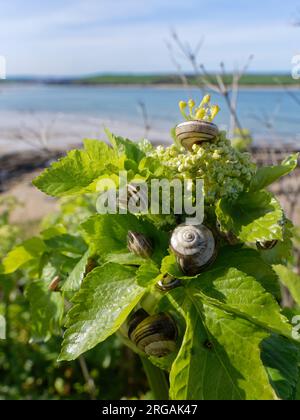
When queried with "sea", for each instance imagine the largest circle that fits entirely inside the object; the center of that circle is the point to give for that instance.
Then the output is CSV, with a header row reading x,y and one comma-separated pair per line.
x,y
34,114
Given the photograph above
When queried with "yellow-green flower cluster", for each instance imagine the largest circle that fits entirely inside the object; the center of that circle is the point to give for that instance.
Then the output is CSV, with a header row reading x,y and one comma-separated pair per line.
x,y
205,111
226,172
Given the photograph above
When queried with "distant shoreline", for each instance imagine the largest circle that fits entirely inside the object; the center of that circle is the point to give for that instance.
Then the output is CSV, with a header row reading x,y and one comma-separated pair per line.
x,y
250,80
294,87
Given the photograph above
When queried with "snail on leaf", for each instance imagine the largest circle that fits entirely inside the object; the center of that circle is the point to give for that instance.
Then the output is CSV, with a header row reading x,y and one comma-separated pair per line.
x,y
139,244
195,248
155,335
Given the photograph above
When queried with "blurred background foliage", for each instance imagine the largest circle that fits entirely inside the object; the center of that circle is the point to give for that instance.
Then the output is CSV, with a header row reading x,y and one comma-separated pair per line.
x,y
29,370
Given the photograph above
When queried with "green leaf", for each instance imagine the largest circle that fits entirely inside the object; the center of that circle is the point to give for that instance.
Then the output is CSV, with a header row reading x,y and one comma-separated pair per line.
x,y
169,265
267,175
237,345
74,173
107,296
67,243
76,276
241,294
252,217
282,253
220,355
249,262
125,147
46,310
107,234
290,280
126,258
280,358
147,274
197,373
29,250
2,328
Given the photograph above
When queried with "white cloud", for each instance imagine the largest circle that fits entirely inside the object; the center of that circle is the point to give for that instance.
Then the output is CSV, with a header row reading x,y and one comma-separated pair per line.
x,y
100,36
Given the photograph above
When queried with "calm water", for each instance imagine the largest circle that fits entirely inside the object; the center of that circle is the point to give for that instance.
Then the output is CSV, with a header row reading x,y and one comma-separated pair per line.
x,y
267,113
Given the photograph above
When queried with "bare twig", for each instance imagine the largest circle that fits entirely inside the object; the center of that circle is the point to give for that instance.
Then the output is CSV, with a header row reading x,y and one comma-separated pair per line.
x,y
38,134
178,66
87,377
144,113
205,80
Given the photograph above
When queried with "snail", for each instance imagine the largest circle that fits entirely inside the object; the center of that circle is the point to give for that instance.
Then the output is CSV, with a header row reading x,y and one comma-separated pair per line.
x,y
139,244
134,192
168,283
194,246
265,245
90,265
53,286
155,334
193,132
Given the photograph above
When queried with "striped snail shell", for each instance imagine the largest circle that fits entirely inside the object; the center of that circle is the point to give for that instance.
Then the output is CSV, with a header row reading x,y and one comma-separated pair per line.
x,y
155,335
167,283
194,246
139,244
193,132
264,245
133,192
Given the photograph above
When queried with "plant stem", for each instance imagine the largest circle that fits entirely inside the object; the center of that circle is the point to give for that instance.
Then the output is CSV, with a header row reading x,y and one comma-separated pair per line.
x,y
87,377
157,380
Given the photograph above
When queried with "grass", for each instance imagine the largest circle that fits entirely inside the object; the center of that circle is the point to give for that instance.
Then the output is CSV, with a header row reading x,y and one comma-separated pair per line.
x,y
173,79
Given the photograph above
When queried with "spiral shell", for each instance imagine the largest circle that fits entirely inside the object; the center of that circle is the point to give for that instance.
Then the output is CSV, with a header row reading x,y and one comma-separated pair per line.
x,y
133,192
194,246
139,244
265,245
193,132
168,283
155,335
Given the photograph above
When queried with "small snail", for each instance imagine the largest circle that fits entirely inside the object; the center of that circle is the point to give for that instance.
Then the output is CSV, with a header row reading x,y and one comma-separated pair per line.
x,y
135,192
90,265
139,244
53,286
193,132
264,245
168,283
194,246
155,335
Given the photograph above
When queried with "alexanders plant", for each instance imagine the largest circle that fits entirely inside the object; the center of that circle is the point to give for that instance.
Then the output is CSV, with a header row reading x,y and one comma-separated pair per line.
x,y
218,332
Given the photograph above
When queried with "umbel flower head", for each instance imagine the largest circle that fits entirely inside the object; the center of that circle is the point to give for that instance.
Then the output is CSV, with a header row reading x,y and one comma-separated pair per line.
x,y
226,172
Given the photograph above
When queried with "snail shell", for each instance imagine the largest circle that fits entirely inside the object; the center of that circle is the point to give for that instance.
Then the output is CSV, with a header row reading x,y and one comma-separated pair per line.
x,y
193,132
168,283
194,246
133,191
90,265
53,286
155,335
264,245
139,244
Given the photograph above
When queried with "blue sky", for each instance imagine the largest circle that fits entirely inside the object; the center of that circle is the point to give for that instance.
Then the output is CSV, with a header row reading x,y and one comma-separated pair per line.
x,y
64,37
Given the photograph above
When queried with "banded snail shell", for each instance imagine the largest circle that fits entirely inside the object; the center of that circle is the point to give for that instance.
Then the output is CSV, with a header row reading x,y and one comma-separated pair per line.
x,y
193,132
135,192
139,244
168,282
155,335
265,245
194,246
